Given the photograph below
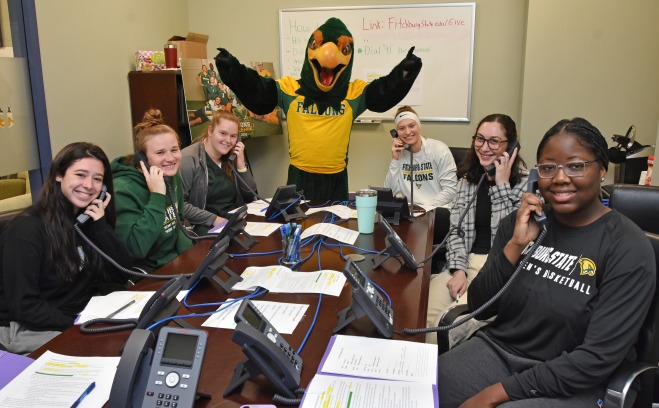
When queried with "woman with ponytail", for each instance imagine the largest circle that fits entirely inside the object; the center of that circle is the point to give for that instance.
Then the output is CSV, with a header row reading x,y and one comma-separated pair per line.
x,y
146,216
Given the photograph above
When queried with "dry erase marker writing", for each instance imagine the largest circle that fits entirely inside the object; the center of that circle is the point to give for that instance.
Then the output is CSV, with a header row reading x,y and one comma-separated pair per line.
x,y
122,308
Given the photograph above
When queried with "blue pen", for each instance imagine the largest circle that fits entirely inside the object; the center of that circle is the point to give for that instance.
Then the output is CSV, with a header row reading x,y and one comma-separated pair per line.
x,y
84,394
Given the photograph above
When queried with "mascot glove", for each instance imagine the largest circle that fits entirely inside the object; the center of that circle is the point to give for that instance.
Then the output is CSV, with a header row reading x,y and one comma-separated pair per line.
x,y
411,63
223,58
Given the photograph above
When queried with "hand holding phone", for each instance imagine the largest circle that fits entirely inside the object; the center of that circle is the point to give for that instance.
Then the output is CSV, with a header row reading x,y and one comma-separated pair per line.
x,y
94,208
155,177
397,145
492,170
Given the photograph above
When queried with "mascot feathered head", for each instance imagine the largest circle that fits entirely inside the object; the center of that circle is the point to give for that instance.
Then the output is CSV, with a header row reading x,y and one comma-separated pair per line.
x,y
326,71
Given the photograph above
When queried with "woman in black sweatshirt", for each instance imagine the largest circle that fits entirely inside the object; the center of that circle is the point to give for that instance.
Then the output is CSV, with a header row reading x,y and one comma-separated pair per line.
x,y
47,272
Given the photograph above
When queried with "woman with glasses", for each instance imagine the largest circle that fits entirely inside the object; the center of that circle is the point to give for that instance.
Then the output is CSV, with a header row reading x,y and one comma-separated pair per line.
x,y
573,313
469,243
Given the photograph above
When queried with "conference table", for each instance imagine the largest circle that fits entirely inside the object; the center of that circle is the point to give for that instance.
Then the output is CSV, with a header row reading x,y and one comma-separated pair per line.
x,y
408,291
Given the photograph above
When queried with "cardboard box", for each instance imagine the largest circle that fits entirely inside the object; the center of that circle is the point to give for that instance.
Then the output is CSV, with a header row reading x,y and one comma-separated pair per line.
x,y
191,46
149,60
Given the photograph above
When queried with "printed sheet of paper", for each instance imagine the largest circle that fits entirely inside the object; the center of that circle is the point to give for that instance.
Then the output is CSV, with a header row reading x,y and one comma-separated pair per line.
x,y
343,211
104,306
337,391
340,234
56,380
280,279
257,207
283,316
261,229
381,358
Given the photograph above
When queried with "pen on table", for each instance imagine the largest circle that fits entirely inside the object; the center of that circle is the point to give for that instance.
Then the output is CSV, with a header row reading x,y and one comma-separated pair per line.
x,y
84,394
122,308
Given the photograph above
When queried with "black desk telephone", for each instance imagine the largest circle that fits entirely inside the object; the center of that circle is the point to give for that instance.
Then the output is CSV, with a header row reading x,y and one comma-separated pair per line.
x,y
366,301
166,376
267,353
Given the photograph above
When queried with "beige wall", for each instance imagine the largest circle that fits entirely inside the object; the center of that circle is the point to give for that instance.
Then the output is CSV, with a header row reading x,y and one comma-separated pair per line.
x,y
87,51
592,58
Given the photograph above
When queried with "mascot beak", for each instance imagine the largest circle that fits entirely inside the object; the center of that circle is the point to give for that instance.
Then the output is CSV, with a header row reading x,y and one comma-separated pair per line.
x,y
329,61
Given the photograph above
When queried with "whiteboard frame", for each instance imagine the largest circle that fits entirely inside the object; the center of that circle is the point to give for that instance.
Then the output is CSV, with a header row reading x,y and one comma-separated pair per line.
x,y
376,119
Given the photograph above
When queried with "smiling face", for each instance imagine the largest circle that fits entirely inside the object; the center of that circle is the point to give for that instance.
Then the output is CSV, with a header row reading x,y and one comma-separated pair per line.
x,y
163,151
574,200
221,139
82,181
490,131
409,132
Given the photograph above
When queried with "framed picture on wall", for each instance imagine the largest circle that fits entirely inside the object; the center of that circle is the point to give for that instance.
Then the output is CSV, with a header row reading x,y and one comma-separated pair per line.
x,y
205,93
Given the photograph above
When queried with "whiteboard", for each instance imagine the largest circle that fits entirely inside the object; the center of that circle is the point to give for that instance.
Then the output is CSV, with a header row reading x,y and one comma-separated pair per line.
x,y
443,35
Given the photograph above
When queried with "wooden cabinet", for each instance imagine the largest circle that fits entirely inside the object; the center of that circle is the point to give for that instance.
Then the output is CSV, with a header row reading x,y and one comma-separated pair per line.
x,y
162,90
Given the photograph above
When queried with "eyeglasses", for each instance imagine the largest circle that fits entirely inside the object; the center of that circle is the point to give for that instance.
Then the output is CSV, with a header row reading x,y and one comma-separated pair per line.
x,y
575,168
492,143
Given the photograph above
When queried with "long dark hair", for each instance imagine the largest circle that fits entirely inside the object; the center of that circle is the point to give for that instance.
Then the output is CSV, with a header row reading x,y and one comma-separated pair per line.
x,y
470,167
57,212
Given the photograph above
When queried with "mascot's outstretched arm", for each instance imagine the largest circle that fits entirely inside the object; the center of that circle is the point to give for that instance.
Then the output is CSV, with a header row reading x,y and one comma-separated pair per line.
x,y
257,93
386,92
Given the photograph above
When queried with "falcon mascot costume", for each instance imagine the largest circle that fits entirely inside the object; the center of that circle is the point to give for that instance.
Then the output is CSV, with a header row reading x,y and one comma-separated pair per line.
x,y
321,106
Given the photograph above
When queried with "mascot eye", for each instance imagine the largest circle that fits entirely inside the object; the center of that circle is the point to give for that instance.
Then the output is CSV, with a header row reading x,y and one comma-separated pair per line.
x,y
313,44
347,50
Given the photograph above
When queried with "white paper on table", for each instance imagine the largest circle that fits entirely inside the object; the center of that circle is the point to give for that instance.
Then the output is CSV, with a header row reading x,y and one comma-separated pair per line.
x,y
261,229
381,358
343,211
283,316
340,234
103,306
337,391
56,380
280,279
257,207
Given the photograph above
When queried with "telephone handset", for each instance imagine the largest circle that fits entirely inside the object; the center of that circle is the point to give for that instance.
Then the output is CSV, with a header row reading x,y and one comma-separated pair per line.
x,y
394,134
267,353
532,187
141,157
491,169
170,374
366,301
161,303
83,218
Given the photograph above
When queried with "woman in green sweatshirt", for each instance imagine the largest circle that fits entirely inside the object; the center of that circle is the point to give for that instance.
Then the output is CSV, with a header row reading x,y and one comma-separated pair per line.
x,y
146,217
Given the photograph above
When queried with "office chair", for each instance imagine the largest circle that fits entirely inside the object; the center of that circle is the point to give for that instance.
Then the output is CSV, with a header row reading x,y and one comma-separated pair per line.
x,y
459,153
619,393
638,203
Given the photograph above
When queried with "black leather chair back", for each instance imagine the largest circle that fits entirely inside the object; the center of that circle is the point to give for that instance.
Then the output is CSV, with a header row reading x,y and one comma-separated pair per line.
x,y
459,153
647,345
638,203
